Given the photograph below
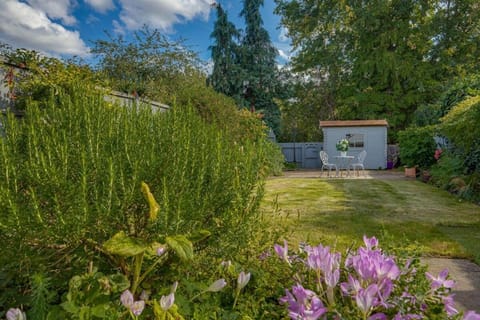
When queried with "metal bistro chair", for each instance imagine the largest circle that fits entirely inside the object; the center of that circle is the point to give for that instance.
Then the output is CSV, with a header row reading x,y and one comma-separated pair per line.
x,y
326,164
359,164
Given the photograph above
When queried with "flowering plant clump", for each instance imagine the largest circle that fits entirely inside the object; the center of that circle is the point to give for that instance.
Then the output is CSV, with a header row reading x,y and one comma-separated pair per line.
x,y
342,145
367,284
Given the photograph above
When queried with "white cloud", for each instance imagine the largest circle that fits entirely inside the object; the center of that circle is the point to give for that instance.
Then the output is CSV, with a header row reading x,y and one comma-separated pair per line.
x,y
283,36
283,54
118,28
55,9
162,14
24,26
101,5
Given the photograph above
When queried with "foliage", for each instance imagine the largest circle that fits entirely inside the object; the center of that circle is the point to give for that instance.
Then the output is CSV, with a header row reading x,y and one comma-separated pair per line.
x,y
461,88
342,145
460,125
148,64
258,62
36,77
90,296
456,27
246,71
41,296
458,90
309,102
72,172
226,75
382,59
417,146
367,284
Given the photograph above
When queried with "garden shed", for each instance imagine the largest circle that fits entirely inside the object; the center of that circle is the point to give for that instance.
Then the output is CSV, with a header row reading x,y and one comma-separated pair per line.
x,y
368,135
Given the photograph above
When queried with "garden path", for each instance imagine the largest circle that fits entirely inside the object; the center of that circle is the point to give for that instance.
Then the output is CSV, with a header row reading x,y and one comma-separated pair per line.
x,y
465,273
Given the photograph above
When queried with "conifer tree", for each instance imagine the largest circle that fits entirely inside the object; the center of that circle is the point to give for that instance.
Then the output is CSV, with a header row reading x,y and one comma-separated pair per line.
x,y
226,75
258,63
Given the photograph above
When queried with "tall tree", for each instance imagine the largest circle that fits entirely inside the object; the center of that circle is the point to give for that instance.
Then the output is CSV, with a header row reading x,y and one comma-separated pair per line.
x,y
226,76
374,53
384,58
258,62
457,37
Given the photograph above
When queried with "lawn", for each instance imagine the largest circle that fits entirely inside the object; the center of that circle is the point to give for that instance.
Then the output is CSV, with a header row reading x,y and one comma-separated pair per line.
x,y
405,213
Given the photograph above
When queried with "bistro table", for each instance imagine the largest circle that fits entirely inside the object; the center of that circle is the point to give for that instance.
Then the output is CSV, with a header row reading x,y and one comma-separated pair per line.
x,y
343,162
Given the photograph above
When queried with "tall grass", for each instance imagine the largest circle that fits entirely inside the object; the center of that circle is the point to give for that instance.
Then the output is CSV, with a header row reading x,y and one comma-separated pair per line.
x,y
72,172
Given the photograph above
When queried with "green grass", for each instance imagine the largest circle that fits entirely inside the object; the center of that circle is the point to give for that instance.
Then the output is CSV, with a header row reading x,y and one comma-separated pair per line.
x,y
403,213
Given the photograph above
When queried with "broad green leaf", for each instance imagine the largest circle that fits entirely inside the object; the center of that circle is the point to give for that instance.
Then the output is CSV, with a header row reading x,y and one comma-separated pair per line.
x,y
122,245
199,235
70,307
152,203
118,282
56,313
181,245
101,311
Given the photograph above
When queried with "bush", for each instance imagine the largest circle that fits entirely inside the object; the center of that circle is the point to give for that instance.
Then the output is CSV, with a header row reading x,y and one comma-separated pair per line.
x,y
460,125
447,167
417,146
72,172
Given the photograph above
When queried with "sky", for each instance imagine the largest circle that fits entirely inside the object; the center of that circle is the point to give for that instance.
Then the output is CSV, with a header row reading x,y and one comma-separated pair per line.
x,y
66,28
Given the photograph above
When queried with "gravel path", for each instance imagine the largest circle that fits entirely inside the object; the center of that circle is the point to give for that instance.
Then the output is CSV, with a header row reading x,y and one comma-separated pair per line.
x,y
464,272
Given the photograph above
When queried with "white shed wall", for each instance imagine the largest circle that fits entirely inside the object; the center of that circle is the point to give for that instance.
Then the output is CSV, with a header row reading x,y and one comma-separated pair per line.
x,y
375,143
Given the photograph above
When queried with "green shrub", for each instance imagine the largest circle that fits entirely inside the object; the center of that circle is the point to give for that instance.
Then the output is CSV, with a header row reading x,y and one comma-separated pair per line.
x,y
72,172
447,167
460,125
417,146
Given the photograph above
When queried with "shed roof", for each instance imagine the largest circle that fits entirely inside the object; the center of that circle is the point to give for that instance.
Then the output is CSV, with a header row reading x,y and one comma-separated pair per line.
x,y
354,123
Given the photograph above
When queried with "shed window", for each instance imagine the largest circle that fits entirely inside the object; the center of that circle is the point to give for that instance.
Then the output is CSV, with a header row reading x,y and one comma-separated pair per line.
x,y
356,140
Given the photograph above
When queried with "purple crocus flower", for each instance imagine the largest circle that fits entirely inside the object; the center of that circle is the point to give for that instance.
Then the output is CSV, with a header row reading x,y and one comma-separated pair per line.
x,y
160,251
166,302
128,301
15,314
449,305
127,298
370,243
242,280
378,316
282,252
303,304
351,287
471,315
409,316
367,298
441,280
137,307
217,285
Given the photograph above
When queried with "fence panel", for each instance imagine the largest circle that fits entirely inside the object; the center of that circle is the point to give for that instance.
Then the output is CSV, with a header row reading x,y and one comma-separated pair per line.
x,y
304,154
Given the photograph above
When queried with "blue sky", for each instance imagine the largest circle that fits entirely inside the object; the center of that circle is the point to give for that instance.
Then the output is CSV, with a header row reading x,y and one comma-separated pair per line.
x,y
63,28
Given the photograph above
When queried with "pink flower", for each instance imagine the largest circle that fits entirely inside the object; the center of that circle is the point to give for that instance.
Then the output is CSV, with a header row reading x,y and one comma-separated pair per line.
x,y
166,302
303,304
367,298
243,279
136,307
282,252
441,280
449,305
471,315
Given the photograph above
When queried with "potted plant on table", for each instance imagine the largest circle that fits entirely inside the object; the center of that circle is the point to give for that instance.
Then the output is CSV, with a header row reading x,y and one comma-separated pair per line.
x,y
342,146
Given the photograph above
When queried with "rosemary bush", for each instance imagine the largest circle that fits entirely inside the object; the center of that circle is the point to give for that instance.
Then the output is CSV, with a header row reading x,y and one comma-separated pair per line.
x,y
72,171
